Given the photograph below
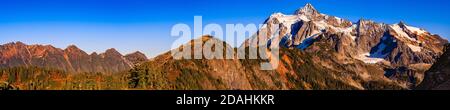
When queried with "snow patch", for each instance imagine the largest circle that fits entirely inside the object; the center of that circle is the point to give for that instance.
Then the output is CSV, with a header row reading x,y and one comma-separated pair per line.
x,y
367,59
349,31
322,25
415,48
352,37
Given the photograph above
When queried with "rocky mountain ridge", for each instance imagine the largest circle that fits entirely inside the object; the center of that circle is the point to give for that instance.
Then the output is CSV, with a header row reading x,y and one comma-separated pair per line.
x,y
71,59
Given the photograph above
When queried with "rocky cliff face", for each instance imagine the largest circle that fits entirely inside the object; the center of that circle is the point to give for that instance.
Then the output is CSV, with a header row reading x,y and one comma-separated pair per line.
x,y
437,77
71,59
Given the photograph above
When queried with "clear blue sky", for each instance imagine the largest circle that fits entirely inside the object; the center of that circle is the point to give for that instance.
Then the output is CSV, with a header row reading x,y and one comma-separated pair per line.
x,y
144,25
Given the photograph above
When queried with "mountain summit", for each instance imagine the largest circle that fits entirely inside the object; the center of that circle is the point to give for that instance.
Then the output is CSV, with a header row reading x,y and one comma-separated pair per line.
x,y
308,9
399,50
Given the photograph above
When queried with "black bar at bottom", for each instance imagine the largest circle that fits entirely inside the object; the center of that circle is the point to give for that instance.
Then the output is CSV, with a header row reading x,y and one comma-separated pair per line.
x,y
221,99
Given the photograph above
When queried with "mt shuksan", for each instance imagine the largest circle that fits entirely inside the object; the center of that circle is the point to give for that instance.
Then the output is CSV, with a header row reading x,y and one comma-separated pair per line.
x,y
397,48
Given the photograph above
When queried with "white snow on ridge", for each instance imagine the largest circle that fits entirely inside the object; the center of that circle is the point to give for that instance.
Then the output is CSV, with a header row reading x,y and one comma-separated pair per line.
x,y
415,30
348,31
263,26
337,18
400,32
285,20
322,25
288,20
415,48
276,15
304,18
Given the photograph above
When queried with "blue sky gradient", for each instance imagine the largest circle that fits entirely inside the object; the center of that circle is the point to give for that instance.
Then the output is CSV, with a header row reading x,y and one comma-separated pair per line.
x,y
145,25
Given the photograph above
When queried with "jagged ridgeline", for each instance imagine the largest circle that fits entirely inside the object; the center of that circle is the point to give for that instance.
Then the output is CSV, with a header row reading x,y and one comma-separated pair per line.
x,y
38,67
317,51
72,59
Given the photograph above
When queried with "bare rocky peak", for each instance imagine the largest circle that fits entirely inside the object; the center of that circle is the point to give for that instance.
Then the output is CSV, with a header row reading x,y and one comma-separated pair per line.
x,y
112,51
72,48
137,54
136,58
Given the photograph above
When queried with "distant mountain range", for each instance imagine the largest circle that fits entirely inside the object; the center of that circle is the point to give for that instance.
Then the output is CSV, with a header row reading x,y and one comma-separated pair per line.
x,y
71,59
317,51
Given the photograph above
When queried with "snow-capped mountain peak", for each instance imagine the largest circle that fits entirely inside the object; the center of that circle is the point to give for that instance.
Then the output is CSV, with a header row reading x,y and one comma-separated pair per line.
x,y
405,31
308,9
413,30
383,42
